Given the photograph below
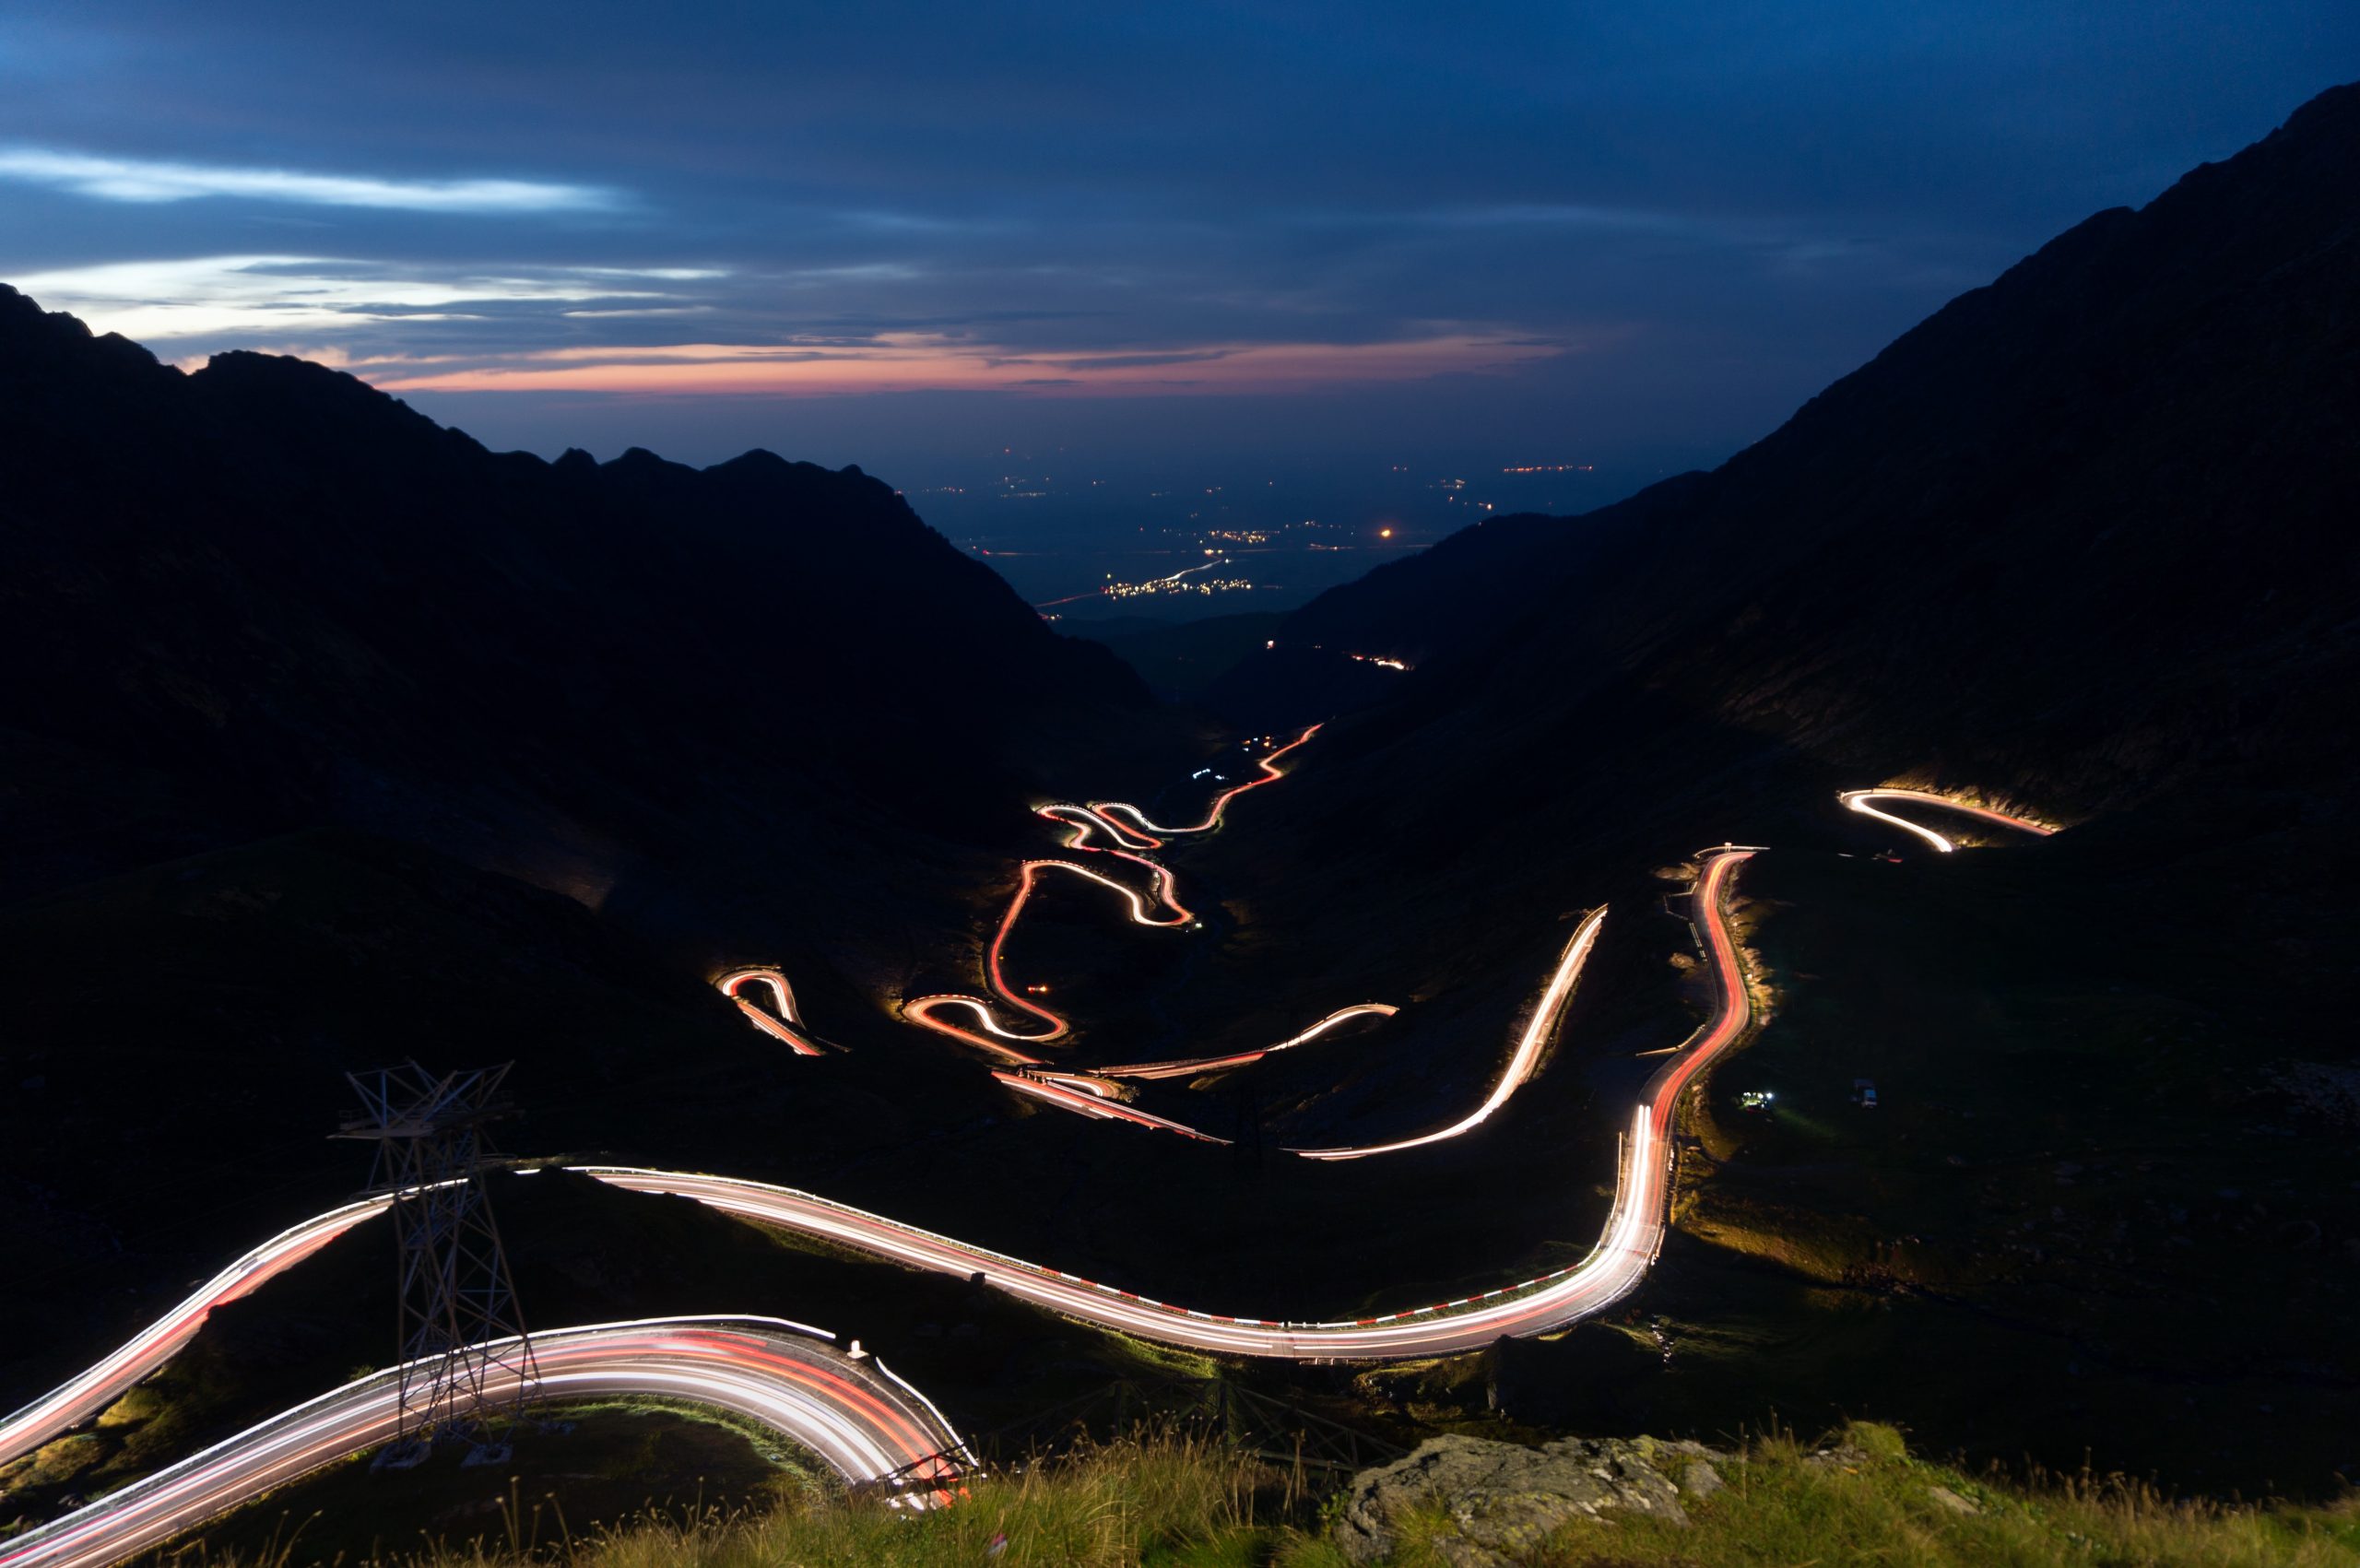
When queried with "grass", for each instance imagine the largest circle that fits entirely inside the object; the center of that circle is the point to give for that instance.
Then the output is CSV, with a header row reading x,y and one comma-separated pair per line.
x,y
1169,1501
1874,1504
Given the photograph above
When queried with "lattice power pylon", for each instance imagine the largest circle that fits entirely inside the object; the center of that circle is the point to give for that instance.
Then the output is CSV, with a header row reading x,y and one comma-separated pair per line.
x,y
461,1336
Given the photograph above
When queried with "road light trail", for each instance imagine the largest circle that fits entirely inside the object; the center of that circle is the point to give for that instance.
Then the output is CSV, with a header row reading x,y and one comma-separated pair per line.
x,y
1085,822
1862,801
1096,1101
1632,1233
1522,1062
1271,775
1195,1065
787,1024
925,1011
868,1425
86,1393
1072,1093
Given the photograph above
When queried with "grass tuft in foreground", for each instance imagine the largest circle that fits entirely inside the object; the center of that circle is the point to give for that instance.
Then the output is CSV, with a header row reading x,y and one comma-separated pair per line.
x,y
1861,1499
1173,1503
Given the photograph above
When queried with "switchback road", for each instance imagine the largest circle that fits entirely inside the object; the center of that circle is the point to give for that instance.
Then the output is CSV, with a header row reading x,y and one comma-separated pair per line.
x,y
854,1414
1865,801
866,1423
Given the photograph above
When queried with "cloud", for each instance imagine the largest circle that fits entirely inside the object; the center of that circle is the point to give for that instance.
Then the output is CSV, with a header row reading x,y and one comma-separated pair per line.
x,y
267,297
910,361
149,180
1129,361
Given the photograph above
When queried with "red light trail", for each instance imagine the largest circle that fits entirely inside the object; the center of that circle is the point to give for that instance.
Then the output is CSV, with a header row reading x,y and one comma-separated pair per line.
x,y
865,1422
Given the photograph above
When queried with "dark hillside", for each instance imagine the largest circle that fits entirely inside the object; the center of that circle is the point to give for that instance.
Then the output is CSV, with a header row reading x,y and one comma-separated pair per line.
x,y
264,596
2078,543
2071,536
332,739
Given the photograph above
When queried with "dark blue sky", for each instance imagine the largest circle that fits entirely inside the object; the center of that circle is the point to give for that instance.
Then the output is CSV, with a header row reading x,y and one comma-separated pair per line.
x,y
1215,235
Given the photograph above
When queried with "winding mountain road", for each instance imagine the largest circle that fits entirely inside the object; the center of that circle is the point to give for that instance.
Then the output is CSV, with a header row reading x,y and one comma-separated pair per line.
x,y
865,1422
1634,1229
1523,1062
786,1023
868,1426
87,1392
1086,1093
1532,1306
1124,843
1865,802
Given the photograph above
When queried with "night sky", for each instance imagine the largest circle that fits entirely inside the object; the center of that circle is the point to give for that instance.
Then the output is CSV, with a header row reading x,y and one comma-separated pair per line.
x,y
1308,237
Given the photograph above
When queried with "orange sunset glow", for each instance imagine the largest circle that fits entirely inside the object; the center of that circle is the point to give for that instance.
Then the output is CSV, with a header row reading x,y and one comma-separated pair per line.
x,y
899,362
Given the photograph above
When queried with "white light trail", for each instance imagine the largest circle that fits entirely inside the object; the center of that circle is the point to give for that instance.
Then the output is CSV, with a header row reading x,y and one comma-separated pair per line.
x,y
1271,775
356,1416
1627,1246
1195,1065
1522,1061
865,1424
1069,1093
88,1392
785,1024
1862,801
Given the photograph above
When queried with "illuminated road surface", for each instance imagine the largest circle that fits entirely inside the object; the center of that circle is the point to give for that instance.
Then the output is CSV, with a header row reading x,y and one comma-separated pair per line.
x,y
1163,909
926,1012
1634,1229
784,1024
1271,775
977,1019
1095,1099
1124,843
1194,1065
1865,802
1535,1306
866,1424
863,1422
88,1393
1522,1062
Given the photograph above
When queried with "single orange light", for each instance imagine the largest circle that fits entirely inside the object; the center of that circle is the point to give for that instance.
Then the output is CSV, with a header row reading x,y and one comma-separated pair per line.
x,y
1385,533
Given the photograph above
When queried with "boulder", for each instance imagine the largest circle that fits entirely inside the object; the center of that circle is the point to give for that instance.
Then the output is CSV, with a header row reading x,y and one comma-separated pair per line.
x,y
1498,1500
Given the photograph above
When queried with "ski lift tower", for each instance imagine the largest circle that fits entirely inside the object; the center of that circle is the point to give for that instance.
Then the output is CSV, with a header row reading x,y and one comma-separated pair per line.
x,y
461,1338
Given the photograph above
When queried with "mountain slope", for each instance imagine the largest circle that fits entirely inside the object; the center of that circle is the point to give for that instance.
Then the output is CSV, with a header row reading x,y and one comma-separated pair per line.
x,y
264,596
2067,538
2078,544
333,738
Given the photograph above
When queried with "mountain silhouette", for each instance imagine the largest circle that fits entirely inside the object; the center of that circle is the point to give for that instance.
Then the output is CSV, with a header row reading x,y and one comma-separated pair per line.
x,y
2076,544
264,596
2073,538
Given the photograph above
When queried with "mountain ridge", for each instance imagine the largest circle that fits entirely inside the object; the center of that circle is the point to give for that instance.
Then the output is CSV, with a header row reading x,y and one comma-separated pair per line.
x,y
292,592
2011,413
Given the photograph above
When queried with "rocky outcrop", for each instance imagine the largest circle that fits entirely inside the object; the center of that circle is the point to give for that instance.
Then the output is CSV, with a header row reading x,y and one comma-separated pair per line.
x,y
1498,1500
